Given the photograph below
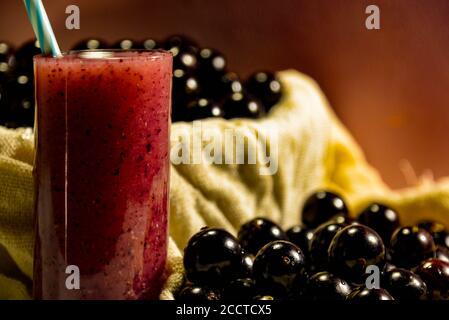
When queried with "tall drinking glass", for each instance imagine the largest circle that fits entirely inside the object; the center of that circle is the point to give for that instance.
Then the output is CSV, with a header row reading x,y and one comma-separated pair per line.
x,y
101,174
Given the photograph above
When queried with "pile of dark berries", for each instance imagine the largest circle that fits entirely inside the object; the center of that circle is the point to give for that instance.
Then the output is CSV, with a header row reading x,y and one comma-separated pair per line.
x,y
324,258
203,85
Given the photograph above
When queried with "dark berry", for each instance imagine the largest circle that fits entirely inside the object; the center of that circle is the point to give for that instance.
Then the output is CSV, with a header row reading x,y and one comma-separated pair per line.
x,y
388,267
437,230
126,44
224,86
411,245
185,61
431,226
342,218
7,61
300,236
353,249
240,289
266,87
185,89
326,286
212,64
441,238
19,101
381,218
320,242
247,266
365,294
6,51
266,297
192,293
4,109
322,206
278,267
230,83
442,253
149,44
24,56
90,44
256,233
212,256
435,274
387,253
203,108
179,43
403,284
242,105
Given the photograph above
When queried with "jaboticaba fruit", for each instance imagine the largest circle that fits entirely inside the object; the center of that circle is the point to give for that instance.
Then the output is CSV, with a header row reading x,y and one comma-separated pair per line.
x,y
212,257
353,249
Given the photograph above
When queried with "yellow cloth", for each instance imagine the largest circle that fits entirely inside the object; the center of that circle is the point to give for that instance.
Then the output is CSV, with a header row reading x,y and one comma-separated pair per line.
x,y
314,151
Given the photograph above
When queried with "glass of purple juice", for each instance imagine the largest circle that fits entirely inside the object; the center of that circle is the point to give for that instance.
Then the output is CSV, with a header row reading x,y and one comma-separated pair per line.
x,y
101,174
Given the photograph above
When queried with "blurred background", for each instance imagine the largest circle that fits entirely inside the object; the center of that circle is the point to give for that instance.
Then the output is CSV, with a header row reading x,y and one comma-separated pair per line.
x,y
390,87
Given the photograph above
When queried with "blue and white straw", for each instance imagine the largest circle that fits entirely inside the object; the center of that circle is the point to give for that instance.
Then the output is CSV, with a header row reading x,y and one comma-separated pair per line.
x,y
42,27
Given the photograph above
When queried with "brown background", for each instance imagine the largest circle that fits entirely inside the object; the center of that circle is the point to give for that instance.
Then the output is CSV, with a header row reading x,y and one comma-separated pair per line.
x,y
390,87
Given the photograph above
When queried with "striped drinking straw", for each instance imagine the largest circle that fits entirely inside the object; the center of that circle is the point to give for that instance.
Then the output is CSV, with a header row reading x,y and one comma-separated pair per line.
x,y
42,27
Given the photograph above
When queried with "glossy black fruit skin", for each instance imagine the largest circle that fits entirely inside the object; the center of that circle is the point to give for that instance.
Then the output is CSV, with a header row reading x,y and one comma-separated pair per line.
x,y
24,57
4,110
403,284
247,266
223,86
442,253
365,294
229,83
342,218
388,267
149,44
179,43
442,239
6,51
212,257
435,273
322,206
300,236
242,105
203,108
265,297
266,87
437,230
319,244
19,101
90,44
186,88
185,61
212,64
126,44
240,289
7,61
278,268
258,232
192,293
382,219
326,286
411,245
353,249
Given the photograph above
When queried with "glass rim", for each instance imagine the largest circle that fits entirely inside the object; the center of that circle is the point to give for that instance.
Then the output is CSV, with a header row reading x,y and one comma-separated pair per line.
x,y
102,54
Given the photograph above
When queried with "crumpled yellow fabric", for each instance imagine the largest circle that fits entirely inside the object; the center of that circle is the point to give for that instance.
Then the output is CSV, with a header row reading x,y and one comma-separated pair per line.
x,y
313,149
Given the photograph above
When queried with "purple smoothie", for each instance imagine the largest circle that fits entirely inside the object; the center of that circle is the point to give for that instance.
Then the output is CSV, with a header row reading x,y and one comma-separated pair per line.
x,y
102,173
